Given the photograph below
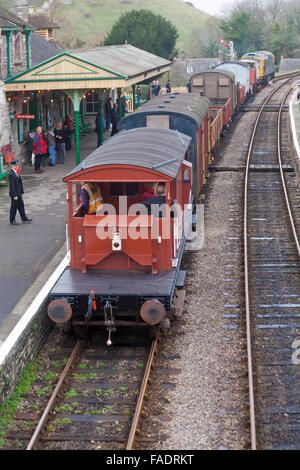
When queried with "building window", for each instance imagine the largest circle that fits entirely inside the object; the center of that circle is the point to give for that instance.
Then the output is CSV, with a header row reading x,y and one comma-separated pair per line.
x,y
91,103
189,69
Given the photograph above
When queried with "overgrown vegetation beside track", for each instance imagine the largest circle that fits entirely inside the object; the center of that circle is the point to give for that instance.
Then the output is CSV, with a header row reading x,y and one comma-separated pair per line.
x,y
9,408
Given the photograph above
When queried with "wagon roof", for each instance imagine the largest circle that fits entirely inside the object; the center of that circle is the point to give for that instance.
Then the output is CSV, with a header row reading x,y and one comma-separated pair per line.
x,y
235,62
259,53
162,150
222,71
188,104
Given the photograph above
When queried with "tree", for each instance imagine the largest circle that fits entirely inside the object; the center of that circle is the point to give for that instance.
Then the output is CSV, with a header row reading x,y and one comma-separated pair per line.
x,y
145,30
243,31
264,24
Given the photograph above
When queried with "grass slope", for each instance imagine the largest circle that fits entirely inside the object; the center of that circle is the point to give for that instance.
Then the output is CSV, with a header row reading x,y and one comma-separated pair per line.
x,y
90,20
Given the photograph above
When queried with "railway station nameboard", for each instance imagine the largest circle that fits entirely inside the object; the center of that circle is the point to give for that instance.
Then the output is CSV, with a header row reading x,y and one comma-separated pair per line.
x,y
22,116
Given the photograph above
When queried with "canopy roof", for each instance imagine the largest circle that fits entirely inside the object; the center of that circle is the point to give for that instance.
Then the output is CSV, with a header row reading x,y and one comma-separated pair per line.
x,y
124,59
100,67
158,149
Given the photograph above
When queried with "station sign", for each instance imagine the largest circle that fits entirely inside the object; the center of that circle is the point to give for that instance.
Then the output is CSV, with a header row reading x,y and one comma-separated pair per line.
x,y
23,116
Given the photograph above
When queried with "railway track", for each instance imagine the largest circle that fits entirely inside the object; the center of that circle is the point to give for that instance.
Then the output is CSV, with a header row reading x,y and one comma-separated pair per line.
x,y
272,275
94,396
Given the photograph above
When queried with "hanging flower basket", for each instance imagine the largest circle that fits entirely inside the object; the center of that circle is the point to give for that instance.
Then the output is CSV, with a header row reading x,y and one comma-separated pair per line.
x,y
9,157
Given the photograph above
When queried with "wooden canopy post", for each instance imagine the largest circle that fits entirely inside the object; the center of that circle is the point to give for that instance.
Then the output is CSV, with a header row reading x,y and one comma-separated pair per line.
x,y
28,48
100,92
8,37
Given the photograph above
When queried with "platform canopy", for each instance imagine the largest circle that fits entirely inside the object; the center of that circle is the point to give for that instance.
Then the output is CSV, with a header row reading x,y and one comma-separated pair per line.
x,y
80,70
99,67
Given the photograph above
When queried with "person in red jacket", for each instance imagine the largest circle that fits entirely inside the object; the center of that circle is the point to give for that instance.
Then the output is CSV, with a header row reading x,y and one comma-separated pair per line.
x,y
39,149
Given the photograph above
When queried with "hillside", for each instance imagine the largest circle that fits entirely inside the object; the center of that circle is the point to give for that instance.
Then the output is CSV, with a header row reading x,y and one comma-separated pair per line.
x,y
86,23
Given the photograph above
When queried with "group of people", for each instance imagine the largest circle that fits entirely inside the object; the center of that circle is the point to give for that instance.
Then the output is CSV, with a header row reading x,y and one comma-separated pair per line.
x,y
112,118
53,144
92,200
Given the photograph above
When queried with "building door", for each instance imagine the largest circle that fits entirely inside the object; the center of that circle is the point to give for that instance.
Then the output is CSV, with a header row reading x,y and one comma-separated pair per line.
x,y
33,109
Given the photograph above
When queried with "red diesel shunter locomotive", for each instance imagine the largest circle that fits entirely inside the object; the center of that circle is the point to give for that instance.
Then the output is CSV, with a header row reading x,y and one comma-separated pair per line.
x,y
125,259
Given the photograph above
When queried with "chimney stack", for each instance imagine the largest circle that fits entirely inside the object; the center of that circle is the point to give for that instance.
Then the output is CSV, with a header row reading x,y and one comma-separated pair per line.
x,y
221,57
21,9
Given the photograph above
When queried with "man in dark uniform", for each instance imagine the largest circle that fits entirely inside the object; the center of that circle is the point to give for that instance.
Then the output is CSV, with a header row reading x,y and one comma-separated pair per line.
x,y
115,120
189,85
108,112
15,192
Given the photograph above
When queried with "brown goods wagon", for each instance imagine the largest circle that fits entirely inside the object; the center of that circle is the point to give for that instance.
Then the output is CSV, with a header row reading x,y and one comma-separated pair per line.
x,y
216,85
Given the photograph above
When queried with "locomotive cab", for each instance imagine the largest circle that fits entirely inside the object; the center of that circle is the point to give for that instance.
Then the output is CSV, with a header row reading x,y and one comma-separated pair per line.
x,y
125,258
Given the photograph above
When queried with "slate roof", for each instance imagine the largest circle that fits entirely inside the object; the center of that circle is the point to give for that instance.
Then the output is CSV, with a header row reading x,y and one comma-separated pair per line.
x,y
124,59
41,49
162,150
9,20
42,21
197,65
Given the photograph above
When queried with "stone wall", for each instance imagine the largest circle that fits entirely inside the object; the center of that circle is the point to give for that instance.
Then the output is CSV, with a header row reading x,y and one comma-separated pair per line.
x,y
18,54
24,351
4,123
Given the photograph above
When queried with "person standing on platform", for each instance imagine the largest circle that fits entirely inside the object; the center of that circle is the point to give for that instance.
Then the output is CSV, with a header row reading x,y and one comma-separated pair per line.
x,y
69,122
168,86
15,193
98,128
157,88
115,120
189,86
51,145
123,104
60,141
139,95
153,89
39,148
67,136
108,112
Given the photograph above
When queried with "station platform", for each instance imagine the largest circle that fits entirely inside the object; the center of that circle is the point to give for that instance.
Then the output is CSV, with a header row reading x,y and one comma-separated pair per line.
x,y
294,111
31,252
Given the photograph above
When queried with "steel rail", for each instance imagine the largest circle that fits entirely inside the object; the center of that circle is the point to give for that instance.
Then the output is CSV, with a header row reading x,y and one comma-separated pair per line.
x,y
246,270
293,227
43,421
140,400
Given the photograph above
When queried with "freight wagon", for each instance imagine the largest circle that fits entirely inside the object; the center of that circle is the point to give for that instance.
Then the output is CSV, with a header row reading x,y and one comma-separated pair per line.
x,y
185,112
243,73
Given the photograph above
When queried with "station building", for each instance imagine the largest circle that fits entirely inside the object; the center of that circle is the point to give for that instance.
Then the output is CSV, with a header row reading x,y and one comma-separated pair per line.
x,y
77,82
